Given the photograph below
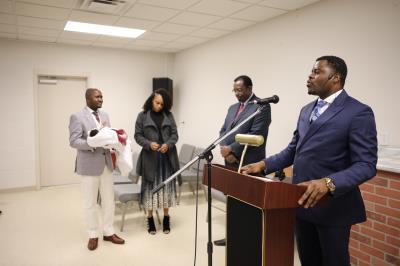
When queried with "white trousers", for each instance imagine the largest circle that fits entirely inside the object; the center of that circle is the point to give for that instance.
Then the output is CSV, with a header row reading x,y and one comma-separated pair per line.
x,y
91,185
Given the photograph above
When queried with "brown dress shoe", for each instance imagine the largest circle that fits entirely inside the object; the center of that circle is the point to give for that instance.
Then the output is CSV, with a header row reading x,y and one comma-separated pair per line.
x,y
114,239
92,244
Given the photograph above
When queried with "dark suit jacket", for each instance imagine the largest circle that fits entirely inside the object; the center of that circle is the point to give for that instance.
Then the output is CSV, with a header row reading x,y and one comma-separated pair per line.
x,y
340,144
258,125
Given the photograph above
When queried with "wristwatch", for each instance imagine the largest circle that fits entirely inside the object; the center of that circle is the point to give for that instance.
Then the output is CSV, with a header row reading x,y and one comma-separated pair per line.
x,y
330,185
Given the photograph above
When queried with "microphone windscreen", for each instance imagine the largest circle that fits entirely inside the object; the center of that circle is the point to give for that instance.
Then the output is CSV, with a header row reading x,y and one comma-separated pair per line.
x,y
252,140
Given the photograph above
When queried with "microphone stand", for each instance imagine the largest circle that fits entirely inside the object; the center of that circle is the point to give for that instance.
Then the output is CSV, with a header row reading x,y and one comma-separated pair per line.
x,y
208,156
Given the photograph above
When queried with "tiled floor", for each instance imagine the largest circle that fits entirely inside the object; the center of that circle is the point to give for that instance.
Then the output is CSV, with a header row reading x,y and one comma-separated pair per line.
x,y
46,227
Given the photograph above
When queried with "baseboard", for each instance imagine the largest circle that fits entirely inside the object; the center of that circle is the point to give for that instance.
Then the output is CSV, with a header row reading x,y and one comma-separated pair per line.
x,y
18,189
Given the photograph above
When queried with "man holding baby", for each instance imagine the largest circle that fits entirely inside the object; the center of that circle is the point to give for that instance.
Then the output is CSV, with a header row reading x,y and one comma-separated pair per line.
x,y
95,166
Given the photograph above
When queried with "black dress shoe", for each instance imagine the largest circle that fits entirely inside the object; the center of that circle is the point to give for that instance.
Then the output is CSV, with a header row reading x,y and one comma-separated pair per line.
x,y
220,242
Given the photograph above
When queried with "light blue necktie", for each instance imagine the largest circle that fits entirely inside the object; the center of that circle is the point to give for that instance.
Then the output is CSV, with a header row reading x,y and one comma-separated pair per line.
x,y
317,110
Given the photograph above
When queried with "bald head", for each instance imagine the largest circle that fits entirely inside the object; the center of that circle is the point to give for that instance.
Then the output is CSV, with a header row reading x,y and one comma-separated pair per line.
x,y
94,98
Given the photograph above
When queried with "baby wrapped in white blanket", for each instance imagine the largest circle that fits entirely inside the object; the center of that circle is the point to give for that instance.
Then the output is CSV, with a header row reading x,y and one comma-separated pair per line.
x,y
116,139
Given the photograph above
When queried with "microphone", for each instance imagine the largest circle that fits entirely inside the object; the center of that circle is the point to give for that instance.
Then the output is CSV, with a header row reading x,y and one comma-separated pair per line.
x,y
252,140
273,99
248,140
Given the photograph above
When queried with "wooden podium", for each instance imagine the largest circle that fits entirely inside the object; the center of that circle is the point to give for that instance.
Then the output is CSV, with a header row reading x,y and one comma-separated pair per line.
x,y
260,217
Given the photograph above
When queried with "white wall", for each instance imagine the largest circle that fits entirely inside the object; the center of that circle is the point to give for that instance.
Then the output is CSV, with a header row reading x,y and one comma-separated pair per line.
x,y
125,78
279,54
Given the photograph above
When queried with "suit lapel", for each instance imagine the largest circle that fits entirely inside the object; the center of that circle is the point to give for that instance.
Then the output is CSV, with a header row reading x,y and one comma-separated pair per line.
x,y
89,118
232,120
310,129
244,113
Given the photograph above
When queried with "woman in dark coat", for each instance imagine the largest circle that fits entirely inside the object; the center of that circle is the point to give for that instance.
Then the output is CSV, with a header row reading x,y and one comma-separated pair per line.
x,y
156,132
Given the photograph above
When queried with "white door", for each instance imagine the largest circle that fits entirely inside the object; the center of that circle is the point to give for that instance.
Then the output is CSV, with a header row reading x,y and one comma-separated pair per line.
x,y
56,102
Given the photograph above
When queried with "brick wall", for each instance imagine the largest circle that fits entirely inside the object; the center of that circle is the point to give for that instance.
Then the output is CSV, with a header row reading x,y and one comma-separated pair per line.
x,y
377,241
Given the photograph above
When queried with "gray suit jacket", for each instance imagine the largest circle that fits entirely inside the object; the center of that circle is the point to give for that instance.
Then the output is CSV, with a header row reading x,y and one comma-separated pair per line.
x,y
89,161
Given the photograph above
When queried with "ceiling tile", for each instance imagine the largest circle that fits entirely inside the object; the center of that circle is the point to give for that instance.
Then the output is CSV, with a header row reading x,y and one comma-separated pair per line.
x,y
178,45
90,17
288,4
7,19
231,24
40,22
71,41
174,28
158,36
113,40
78,36
194,19
41,11
6,6
37,31
8,28
56,3
209,33
149,43
248,1
36,38
165,50
151,12
137,23
8,35
176,4
108,45
138,47
258,13
218,7
192,40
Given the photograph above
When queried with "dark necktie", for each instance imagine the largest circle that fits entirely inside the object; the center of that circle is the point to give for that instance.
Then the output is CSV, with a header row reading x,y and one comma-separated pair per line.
x,y
241,107
96,114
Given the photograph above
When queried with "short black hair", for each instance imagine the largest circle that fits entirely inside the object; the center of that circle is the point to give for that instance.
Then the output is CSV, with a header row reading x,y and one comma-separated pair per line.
x,y
89,92
246,81
148,104
337,64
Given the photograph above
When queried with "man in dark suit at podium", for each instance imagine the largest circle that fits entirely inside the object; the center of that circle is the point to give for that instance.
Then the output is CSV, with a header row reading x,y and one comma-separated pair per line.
x,y
333,151
232,150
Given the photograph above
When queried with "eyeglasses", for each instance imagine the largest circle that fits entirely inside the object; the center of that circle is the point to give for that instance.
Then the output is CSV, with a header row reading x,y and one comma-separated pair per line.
x,y
239,90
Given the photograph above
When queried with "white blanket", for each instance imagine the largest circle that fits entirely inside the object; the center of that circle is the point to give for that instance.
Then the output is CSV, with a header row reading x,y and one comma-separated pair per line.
x,y
108,138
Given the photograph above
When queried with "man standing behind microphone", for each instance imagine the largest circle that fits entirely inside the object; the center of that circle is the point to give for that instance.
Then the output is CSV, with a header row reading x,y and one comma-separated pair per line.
x,y
258,125
333,150
231,150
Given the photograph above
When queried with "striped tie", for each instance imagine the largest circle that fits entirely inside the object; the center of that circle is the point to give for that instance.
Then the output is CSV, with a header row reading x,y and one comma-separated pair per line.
x,y
317,110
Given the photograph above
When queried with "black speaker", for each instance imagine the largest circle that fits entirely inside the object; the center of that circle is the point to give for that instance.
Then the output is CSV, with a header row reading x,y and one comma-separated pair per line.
x,y
163,83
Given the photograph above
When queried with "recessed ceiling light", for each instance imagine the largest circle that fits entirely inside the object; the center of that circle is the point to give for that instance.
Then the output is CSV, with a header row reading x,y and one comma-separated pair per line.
x,y
103,29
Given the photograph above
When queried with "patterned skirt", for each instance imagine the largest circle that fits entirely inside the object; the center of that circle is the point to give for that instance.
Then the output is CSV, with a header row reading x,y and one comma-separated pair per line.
x,y
166,197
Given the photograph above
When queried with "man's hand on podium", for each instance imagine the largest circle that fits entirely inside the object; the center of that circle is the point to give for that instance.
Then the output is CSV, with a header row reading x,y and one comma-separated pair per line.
x,y
316,189
253,168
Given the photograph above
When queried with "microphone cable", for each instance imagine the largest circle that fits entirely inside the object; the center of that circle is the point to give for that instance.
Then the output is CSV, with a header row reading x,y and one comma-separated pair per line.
x,y
197,211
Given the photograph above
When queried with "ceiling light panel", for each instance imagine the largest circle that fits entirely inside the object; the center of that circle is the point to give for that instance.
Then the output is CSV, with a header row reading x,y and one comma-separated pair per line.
x,y
103,29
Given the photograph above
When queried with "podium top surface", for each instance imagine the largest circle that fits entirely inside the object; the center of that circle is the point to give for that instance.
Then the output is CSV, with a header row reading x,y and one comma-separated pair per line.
x,y
258,191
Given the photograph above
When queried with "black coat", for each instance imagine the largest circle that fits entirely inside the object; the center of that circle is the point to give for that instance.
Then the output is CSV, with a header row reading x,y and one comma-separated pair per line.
x,y
146,131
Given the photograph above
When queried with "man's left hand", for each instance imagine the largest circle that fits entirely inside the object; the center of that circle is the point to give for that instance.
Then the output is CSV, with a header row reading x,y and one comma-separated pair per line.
x,y
316,189
231,158
225,151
